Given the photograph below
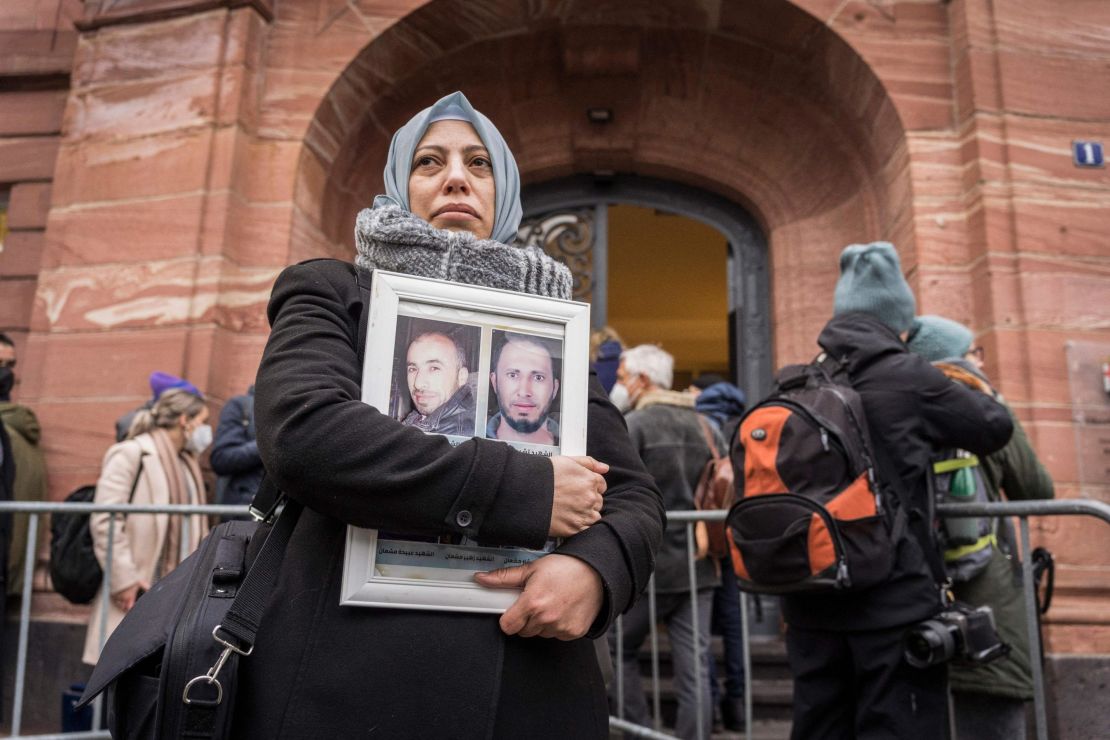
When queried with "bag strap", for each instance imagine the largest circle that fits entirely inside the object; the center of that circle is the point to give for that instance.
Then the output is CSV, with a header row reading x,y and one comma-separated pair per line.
x,y
707,433
135,483
243,618
879,464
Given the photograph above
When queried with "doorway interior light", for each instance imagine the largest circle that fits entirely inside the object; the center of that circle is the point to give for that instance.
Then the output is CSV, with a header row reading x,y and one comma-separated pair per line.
x,y
599,115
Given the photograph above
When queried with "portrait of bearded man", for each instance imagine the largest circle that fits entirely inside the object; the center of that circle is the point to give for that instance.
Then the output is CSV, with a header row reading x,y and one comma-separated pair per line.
x,y
524,380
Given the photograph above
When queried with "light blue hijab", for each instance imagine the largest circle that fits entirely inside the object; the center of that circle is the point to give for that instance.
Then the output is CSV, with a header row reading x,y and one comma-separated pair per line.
x,y
506,177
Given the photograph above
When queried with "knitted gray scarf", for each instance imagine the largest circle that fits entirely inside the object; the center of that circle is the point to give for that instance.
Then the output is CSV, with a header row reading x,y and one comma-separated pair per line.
x,y
387,237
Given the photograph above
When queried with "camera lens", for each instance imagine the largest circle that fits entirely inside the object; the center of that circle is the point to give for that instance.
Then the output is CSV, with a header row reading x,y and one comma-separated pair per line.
x,y
929,643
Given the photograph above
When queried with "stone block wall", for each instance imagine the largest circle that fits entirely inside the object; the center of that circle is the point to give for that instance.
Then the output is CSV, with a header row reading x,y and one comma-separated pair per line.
x,y
37,41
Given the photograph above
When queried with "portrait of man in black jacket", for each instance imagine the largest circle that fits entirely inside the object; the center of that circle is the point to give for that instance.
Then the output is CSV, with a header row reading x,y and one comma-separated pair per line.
x,y
437,375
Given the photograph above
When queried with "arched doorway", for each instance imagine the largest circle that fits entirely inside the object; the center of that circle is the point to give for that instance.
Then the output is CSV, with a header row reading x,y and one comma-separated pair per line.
x,y
771,110
571,218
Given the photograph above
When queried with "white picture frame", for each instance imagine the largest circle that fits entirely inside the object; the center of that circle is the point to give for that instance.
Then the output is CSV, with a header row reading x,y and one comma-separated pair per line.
x,y
391,571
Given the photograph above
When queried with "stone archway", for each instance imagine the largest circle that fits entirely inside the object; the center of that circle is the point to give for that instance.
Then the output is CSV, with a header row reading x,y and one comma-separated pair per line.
x,y
764,106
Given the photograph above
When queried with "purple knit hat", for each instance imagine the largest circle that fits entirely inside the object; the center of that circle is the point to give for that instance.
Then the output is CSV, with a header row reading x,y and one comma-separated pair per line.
x,y
161,382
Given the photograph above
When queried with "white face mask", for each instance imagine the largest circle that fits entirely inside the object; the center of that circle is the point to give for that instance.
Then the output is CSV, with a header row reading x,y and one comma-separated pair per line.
x,y
621,398
200,438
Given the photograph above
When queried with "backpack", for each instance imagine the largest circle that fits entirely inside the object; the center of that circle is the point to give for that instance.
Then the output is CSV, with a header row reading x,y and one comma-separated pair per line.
x,y
966,543
811,515
714,491
74,569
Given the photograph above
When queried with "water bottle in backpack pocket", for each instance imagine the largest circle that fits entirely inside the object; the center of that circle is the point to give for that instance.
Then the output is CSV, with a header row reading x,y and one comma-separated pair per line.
x,y
810,514
967,543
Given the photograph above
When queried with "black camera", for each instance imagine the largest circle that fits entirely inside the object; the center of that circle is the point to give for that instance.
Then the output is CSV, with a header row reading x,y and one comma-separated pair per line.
x,y
960,633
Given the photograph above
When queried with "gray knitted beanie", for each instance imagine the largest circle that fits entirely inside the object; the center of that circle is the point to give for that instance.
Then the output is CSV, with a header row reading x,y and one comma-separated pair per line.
x,y
871,282
937,338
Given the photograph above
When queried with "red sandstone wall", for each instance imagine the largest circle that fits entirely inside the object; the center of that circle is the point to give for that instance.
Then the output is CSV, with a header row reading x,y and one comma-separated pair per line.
x,y
36,54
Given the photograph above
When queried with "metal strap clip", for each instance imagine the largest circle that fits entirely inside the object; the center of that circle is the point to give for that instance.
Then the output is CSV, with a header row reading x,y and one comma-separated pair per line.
x,y
210,677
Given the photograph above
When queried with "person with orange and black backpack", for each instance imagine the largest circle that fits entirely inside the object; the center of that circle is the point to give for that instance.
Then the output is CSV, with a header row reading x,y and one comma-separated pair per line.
x,y
865,559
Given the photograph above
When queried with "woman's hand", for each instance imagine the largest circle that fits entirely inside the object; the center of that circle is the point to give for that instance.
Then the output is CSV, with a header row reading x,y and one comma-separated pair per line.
x,y
561,598
126,598
578,494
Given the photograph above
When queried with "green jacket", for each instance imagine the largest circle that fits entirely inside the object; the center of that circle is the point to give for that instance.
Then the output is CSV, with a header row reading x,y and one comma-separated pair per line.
x,y
30,481
1015,471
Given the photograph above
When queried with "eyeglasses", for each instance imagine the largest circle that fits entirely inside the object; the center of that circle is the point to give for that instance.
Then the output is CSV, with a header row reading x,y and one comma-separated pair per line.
x,y
977,353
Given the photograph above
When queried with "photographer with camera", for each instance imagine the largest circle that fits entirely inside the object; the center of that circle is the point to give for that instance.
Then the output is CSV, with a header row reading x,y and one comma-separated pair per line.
x,y
988,698
846,648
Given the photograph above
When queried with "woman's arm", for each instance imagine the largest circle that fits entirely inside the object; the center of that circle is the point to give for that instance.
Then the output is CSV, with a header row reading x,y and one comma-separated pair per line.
x,y
326,448
117,477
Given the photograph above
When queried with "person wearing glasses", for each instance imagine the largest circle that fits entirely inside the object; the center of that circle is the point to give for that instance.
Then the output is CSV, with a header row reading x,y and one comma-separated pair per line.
x,y
989,700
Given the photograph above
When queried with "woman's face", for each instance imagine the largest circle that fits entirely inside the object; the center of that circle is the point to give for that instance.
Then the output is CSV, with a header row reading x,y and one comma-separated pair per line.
x,y
451,181
189,423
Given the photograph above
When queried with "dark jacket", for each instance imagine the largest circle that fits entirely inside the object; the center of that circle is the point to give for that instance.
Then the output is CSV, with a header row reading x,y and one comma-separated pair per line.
x,y
1016,470
322,670
7,487
29,483
235,452
911,409
664,427
454,416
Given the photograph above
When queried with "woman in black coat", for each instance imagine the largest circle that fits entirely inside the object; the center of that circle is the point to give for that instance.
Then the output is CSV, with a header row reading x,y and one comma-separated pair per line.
x,y
324,670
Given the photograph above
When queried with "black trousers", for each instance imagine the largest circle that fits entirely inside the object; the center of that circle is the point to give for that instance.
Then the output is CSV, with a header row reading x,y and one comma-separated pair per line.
x,y
858,685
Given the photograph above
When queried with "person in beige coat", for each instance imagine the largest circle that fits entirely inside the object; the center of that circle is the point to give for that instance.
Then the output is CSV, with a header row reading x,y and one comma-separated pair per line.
x,y
159,458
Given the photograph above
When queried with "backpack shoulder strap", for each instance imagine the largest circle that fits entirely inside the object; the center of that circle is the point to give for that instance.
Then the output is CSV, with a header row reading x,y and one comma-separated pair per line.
x,y
707,434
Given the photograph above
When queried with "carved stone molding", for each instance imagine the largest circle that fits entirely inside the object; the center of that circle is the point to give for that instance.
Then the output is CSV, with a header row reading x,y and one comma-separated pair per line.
x,y
101,13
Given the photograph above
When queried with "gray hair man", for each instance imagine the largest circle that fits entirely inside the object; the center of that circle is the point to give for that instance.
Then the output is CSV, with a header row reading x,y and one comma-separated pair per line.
x,y
665,430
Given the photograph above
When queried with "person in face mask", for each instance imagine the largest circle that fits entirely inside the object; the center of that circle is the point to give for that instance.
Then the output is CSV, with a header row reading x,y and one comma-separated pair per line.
x,y
156,464
628,389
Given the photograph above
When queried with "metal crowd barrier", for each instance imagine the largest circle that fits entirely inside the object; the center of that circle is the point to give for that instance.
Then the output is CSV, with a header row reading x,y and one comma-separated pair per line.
x,y
1021,509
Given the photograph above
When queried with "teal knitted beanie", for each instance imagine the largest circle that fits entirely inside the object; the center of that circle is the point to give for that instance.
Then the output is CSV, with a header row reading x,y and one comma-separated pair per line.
x,y
871,282
937,338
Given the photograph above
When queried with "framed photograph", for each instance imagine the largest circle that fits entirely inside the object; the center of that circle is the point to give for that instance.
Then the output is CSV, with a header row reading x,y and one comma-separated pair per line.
x,y
463,361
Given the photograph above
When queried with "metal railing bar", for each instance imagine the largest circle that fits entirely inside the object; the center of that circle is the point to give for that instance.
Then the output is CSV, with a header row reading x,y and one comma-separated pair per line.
x,y
1053,507
105,599
1032,624
653,630
85,735
628,728
1065,507
50,507
700,664
620,667
745,636
24,622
